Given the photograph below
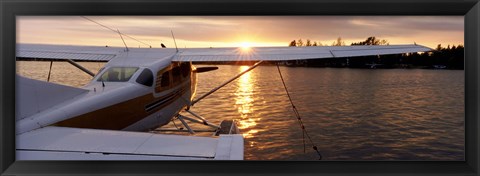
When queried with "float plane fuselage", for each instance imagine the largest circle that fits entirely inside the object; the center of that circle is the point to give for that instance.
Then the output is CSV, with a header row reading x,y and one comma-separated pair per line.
x,y
134,92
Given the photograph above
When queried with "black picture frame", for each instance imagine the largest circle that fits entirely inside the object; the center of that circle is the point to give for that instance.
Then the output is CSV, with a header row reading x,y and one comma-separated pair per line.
x,y
9,9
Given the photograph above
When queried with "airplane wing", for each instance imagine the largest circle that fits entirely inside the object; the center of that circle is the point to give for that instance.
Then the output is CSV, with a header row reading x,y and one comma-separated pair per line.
x,y
100,53
34,96
63,52
292,53
62,143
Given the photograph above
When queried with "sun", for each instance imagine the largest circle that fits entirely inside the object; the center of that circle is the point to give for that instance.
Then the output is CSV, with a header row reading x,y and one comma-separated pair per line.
x,y
246,46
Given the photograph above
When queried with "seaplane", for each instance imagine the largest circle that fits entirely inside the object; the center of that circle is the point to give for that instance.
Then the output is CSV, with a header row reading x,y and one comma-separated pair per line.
x,y
139,89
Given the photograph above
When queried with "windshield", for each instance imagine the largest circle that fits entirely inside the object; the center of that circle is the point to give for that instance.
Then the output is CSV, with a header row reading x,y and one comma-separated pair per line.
x,y
118,74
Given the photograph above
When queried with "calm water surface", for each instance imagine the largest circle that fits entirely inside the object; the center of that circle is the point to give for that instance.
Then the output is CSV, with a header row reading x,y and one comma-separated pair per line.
x,y
351,114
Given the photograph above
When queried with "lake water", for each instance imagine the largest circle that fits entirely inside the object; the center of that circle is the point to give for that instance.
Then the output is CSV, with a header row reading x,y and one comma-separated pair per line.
x,y
350,114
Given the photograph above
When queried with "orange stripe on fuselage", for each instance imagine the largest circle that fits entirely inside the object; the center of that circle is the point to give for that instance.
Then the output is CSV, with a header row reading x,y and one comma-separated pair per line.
x,y
121,115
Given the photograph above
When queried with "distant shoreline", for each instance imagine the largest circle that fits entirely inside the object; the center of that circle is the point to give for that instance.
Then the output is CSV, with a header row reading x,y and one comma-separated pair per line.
x,y
270,63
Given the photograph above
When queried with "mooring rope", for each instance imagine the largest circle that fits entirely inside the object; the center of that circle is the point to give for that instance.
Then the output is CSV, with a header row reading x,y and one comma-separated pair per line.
x,y
299,119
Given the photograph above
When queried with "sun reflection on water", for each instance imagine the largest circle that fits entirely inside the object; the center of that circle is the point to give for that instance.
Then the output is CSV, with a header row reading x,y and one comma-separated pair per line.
x,y
244,103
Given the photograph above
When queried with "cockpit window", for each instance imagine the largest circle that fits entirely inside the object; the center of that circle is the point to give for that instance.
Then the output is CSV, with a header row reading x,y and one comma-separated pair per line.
x,y
145,78
118,74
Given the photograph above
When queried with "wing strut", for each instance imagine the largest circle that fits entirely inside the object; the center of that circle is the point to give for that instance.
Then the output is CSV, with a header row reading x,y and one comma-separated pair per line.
x,y
49,71
224,84
80,67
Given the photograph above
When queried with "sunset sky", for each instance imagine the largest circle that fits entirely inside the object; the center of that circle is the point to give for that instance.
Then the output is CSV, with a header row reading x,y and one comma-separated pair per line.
x,y
228,31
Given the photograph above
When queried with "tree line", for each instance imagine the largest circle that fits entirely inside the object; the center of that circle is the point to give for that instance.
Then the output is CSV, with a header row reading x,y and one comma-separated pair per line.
x,y
450,57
